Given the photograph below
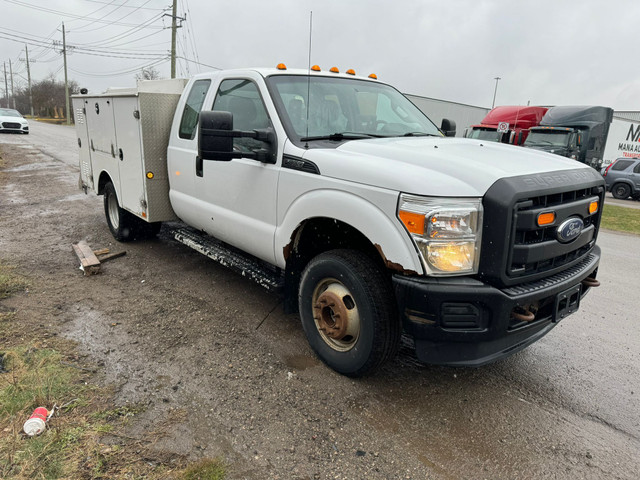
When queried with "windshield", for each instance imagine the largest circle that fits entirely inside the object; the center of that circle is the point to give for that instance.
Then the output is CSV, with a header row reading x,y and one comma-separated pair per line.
x,y
7,112
551,138
486,134
343,108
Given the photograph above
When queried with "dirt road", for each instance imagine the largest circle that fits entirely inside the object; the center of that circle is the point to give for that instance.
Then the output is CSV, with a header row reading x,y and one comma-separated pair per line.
x,y
213,355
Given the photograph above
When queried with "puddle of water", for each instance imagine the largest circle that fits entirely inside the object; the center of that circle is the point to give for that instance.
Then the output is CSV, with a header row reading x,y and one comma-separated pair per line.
x,y
32,166
300,362
73,198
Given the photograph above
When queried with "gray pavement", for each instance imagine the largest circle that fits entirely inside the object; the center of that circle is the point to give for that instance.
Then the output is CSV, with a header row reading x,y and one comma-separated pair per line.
x,y
567,407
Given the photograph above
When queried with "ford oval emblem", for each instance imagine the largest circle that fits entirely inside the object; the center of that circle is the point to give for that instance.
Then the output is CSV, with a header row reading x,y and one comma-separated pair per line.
x,y
569,230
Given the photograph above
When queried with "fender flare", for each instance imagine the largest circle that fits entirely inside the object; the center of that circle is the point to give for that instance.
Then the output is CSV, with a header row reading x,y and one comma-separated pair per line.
x,y
385,233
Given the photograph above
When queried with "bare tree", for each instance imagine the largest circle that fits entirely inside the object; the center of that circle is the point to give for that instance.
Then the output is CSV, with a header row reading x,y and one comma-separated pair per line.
x,y
48,96
148,73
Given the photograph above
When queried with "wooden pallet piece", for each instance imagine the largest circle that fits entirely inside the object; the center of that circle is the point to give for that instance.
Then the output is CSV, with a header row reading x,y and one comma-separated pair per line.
x,y
88,260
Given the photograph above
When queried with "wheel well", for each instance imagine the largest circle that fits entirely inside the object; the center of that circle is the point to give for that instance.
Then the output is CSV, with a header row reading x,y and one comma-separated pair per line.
x,y
104,179
313,237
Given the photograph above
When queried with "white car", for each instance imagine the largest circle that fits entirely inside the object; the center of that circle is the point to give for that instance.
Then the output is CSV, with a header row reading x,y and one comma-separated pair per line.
x,y
13,121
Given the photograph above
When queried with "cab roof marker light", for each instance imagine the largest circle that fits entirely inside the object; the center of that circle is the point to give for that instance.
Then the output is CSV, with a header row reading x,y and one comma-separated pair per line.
x,y
334,70
281,66
351,71
373,76
316,68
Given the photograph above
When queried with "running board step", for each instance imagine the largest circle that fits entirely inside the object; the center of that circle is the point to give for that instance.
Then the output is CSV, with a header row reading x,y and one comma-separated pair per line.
x,y
248,266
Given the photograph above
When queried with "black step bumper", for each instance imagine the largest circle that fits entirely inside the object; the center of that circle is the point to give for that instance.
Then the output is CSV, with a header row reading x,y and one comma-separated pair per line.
x,y
465,322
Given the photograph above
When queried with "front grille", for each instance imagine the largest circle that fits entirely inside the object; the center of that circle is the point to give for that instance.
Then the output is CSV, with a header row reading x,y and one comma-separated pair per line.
x,y
10,125
536,249
515,250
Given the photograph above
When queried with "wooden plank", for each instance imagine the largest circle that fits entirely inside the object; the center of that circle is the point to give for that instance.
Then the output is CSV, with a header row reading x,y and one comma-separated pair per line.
x,y
88,260
111,256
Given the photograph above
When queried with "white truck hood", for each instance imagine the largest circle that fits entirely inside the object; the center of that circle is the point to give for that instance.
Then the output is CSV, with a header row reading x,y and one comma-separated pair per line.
x,y
437,166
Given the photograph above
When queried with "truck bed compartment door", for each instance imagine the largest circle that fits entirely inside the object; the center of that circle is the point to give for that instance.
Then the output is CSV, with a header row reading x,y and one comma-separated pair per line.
x,y
129,154
86,169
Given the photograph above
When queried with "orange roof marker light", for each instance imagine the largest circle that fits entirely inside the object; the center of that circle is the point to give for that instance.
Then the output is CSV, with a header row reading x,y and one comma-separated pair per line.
x,y
334,70
373,76
316,68
351,71
281,66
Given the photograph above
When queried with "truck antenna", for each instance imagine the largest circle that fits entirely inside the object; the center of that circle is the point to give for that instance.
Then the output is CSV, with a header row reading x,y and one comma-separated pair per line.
x,y
306,145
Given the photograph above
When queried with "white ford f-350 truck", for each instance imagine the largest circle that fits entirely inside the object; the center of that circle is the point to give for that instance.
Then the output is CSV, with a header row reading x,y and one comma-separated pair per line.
x,y
337,192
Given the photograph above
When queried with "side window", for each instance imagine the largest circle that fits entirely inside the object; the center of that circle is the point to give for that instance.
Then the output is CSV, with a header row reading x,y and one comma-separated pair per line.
x,y
636,169
192,108
242,99
621,165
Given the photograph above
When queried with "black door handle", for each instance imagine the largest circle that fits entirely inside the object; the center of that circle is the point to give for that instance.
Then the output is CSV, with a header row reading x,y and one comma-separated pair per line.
x,y
198,166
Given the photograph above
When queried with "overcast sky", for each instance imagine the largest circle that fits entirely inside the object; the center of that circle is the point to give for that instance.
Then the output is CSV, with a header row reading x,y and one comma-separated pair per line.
x,y
546,52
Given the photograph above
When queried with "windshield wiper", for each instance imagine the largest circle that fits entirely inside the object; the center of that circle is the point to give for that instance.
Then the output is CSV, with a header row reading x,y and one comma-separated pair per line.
x,y
420,134
341,136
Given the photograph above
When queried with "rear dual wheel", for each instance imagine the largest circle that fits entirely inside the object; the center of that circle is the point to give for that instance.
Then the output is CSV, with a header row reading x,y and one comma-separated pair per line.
x,y
348,312
123,225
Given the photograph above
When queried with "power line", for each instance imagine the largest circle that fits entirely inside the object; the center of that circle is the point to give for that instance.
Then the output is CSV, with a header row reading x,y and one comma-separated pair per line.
x,y
129,6
113,22
123,72
70,15
120,36
199,63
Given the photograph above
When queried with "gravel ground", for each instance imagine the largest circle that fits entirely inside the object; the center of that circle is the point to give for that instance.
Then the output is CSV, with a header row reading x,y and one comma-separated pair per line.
x,y
218,366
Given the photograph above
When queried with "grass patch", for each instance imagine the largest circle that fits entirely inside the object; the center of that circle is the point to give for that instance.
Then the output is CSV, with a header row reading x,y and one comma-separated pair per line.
x,y
207,469
10,282
621,219
86,436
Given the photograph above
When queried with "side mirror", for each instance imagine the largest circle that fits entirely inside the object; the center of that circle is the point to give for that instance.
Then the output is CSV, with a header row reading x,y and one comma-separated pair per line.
x,y
448,127
465,133
216,134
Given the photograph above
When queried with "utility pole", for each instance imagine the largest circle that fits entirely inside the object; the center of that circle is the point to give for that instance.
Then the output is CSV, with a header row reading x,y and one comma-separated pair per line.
x,y
6,84
174,27
26,51
13,97
66,83
497,79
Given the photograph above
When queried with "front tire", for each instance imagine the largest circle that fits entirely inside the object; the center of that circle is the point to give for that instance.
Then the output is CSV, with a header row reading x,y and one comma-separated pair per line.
x,y
348,312
621,191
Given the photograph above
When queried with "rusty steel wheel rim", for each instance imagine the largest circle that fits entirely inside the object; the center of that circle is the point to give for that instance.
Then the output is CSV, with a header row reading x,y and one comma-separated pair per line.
x,y
335,315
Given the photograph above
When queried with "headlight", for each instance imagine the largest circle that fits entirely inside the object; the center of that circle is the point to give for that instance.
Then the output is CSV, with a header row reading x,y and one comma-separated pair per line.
x,y
447,232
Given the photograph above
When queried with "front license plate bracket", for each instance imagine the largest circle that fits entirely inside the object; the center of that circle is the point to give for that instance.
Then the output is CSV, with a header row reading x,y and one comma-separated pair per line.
x,y
567,302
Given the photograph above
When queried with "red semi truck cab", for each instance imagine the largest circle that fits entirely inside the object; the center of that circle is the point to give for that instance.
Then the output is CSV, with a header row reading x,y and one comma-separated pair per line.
x,y
507,124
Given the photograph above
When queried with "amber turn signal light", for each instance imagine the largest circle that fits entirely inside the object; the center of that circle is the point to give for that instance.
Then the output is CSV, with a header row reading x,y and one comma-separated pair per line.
x,y
413,221
546,218
593,207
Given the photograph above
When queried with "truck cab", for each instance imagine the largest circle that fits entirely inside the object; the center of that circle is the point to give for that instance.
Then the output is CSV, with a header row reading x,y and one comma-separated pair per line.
x,y
507,124
575,132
